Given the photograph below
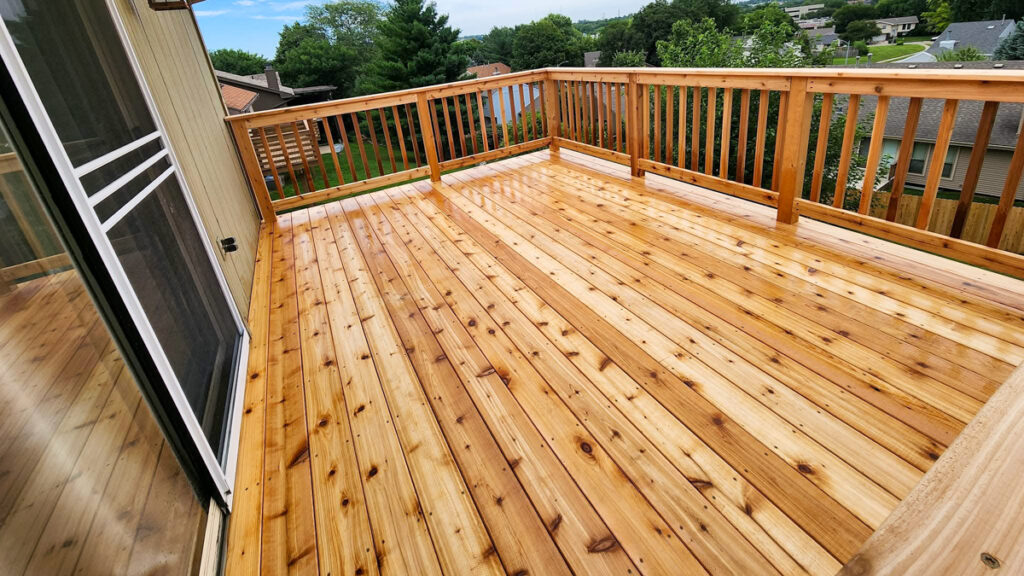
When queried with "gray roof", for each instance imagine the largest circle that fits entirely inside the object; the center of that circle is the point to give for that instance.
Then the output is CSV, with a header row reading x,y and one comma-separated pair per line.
x,y
590,58
899,20
968,117
256,81
985,35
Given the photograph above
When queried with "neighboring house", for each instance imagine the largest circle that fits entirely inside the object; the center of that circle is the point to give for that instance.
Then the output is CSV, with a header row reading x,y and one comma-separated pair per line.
x,y
238,100
894,27
799,12
1002,142
822,37
984,35
270,93
492,69
811,23
590,59
530,97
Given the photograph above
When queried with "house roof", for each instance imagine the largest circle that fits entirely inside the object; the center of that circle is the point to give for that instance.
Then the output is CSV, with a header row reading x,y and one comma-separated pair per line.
x,y
490,69
257,82
968,117
899,20
590,58
985,35
237,98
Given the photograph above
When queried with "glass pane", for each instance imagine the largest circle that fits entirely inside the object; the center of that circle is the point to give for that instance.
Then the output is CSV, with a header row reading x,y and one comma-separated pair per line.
x,y
74,55
88,485
167,265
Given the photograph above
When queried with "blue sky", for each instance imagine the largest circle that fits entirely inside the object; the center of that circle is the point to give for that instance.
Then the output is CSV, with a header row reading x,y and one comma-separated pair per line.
x,y
254,25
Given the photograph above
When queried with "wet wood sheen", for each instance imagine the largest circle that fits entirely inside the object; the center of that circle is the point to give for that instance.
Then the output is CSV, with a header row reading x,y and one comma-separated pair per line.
x,y
543,366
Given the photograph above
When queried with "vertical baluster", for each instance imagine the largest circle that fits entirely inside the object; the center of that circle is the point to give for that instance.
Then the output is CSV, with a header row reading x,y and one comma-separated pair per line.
x,y
387,138
681,148
302,154
645,117
874,154
780,138
373,140
760,137
315,143
348,151
824,123
459,124
1013,175
472,124
483,121
401,137
428,127
522,112
931,186
846,153
271,163
632,137
286,157
657,123
362,148
542,86
412,134
448,129
504,120
494,119
670,104
723,169
709,134
620,117
514,114
981,140
741,143
695,130
599,88
334,153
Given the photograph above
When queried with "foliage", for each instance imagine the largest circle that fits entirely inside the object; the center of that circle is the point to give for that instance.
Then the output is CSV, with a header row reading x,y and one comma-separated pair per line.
x,y
1012,48
350,23
771,48
938,16
496,46
315,61
628,59
861,47
550,41
699,44
618,36
767,14
830,170
860,30
965,54
238,61
596,26
415,46
973,10
897,8
654,21
852,13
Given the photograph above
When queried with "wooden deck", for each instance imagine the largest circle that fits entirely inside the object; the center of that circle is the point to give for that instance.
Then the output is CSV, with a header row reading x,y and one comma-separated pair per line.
x,y
543,366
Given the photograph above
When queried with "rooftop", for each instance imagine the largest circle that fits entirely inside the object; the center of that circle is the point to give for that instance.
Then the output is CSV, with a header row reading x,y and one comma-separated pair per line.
x,y
985,35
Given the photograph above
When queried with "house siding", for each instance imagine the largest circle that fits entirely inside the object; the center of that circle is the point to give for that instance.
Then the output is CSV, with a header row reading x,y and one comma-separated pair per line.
x,y
990,181
177,70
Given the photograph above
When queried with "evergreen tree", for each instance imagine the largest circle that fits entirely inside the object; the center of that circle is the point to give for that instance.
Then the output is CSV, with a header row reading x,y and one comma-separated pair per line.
x,y
238,61
1012,48
415,49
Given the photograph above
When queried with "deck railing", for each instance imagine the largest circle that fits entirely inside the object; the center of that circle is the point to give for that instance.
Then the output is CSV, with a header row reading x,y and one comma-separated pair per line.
x,y
766,135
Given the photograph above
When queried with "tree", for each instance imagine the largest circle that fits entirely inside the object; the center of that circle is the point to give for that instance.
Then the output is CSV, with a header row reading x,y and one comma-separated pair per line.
x,y
860,30
628,59
350,23
965,54
315,61
550,41
497,45
415,48
852,13
238,61
1012,48
767,14
699,44
654,21
973,10
897,8
617,36
938,16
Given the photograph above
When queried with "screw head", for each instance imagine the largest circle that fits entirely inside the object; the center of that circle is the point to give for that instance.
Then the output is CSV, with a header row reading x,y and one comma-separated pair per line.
x,y
989,560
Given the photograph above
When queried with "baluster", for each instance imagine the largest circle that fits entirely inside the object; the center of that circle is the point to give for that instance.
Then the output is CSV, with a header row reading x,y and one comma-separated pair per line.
x,y
874,154
723,169
931,186
981,140
824,122
741,143
762,135
846,152
904,156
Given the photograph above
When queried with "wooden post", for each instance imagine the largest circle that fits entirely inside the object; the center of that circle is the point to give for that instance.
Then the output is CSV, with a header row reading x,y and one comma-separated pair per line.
x,y
427,129
551,101
633,126
797,131
252,169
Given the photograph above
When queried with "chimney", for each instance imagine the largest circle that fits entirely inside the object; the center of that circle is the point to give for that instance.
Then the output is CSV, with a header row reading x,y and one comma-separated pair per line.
x,y
273,81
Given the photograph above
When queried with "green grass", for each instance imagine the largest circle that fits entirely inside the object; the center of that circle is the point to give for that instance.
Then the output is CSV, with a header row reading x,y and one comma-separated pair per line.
x,y
332,175
882,53
917,38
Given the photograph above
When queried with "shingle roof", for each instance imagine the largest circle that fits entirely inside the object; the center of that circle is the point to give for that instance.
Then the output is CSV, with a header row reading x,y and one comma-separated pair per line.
x,y
899,20
255,82
985,35
237,98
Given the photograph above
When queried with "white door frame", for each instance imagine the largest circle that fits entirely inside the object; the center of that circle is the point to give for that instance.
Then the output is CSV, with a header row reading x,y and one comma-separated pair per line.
x,y
223,476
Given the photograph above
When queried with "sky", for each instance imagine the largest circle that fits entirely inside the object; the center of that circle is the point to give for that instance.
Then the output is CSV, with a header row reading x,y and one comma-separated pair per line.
x,y
253,25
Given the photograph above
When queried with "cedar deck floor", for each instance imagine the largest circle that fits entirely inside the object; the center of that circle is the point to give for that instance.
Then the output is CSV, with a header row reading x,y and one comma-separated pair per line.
x,y
540,366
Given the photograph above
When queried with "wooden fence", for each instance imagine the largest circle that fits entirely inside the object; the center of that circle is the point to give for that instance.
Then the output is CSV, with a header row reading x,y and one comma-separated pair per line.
x,y
759,134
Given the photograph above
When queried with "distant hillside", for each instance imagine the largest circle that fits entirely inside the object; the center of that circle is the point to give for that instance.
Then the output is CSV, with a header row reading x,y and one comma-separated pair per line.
x,y
594,26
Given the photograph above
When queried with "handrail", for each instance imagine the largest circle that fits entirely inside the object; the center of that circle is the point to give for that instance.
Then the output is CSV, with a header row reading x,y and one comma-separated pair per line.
x,y
778,144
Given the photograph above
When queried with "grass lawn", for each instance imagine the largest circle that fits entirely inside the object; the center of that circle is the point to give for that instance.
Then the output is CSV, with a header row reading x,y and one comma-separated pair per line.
x,y
332,174
883,53
917,38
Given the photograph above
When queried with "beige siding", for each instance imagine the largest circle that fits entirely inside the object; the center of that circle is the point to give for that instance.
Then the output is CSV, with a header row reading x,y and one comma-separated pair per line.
x,y
990,181
177,71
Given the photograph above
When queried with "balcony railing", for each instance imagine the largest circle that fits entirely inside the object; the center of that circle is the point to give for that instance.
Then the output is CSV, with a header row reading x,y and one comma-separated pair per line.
x,y
678,123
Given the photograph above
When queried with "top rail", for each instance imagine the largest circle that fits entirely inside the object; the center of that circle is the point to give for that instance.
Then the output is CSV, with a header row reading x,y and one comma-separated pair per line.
x,y
851,147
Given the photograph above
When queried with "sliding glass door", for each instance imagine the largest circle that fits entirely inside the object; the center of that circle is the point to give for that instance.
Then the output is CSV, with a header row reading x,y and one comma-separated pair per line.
x,y
80,83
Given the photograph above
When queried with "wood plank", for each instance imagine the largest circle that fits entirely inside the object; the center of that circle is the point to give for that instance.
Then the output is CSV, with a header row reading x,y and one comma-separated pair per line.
x,y
759,139
824,124
846,152
741,144
709,131
723,169
657,124
938,160
874,154
681,147
903,160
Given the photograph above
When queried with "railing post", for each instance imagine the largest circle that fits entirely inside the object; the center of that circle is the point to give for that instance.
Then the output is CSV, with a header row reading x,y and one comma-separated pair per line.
x,y
429,142
796,132
551,103
252,169
633,136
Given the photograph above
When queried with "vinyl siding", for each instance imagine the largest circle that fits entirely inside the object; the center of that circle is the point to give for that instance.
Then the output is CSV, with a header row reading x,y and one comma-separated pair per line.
x,y
990,181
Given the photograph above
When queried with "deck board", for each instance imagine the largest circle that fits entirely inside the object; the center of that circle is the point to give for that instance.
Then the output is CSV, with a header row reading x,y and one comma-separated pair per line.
x,y
543,365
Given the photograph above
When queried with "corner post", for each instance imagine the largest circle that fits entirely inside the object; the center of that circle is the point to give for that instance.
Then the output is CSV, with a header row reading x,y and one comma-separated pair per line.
x,y
251,164
551,103
633,136
796,132
427,130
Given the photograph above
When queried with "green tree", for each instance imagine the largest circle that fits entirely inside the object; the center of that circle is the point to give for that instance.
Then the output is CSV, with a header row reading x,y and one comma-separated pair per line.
x,y
238,61
415,48
654,21
315,61
497,45
860,30
550,41
628,59
896,8
767,14
349,23
699,44
1012,48
965,54
852,13
617,36
938,16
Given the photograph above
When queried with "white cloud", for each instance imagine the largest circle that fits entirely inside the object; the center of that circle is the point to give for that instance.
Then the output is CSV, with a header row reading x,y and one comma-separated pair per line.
x,y
245,2
208,13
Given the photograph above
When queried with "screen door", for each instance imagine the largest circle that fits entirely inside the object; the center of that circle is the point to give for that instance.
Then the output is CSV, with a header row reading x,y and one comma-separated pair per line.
x,y
80,81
